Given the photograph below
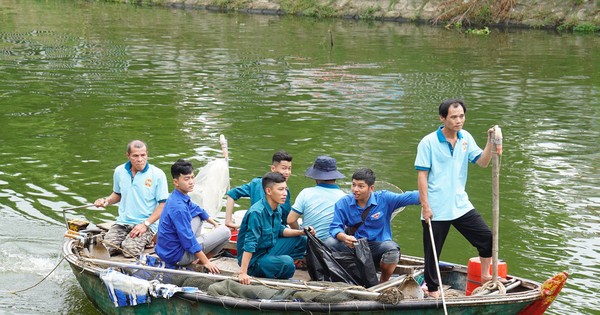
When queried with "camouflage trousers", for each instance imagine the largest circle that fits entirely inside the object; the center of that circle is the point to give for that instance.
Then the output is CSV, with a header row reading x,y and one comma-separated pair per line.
x,y
117,240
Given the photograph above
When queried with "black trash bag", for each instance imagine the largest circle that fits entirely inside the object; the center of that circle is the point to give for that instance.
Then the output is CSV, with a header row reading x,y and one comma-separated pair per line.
x,y
354,267
365,263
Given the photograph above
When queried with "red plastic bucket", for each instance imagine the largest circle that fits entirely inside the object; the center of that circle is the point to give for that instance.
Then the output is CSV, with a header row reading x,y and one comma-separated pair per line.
x,y
233,238
474,273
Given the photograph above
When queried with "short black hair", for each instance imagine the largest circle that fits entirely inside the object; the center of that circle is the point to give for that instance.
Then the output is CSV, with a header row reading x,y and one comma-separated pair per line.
x,y
365,174
181,167
281,155
271,179
443,109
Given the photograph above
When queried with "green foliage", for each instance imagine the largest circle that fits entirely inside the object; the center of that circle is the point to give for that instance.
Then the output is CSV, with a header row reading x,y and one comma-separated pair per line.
x,y
577,2
308,8
581,28
585,28
484,15
482,31
565,27
369,14
456,25
228,4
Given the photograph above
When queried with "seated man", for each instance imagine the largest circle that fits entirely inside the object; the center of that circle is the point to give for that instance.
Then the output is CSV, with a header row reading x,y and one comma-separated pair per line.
x,y
369,212
316,203
179,241
281,162
141,189
265,247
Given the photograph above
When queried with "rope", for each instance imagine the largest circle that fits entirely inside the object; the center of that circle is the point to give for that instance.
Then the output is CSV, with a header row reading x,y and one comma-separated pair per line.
x,y
391,295
491,285
44,278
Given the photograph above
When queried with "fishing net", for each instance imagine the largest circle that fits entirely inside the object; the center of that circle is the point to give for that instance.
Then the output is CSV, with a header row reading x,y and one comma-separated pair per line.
x,y
271,289
211,183
281,293
383,185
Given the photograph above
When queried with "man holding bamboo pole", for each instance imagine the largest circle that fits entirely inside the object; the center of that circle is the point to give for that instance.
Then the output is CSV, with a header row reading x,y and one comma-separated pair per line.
x,y
442,164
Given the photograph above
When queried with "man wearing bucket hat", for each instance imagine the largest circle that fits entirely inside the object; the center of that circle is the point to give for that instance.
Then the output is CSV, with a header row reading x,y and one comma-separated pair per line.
x,y
316,203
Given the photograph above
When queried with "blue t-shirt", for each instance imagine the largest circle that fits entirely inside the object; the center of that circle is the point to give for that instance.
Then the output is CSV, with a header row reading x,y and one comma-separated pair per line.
x,y
140,195
260,229
377,226
175,234
255,192
315,204
447,172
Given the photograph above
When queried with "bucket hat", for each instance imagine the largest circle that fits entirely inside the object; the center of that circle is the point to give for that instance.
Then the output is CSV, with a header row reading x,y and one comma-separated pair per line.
x,y
324,168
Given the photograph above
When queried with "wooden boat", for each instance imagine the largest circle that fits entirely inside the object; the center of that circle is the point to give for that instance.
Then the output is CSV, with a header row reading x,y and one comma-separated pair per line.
x,y
522,296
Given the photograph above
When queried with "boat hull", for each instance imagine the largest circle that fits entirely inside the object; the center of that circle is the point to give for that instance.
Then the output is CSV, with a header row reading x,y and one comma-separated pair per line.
x,y
88,276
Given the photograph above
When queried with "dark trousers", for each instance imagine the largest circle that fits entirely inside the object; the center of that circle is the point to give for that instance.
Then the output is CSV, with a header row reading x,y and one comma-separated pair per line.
x,y
471,226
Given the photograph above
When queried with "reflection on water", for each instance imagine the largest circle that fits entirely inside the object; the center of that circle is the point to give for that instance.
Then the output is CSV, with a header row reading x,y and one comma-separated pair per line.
x,y
76,90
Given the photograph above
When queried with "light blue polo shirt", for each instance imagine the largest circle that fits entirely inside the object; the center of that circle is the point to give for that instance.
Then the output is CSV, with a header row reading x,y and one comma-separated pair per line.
x,y
140,195
315,204
447,176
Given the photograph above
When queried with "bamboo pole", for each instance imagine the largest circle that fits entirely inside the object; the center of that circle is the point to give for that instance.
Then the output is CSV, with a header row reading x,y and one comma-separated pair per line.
x,y
496,153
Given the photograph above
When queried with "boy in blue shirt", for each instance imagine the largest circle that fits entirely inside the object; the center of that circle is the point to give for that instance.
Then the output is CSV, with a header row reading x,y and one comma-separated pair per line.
x,y
266,248
371,212
281,163
179,241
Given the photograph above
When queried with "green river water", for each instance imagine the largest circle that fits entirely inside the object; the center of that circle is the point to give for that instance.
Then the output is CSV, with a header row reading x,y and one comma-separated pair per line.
x,y
79,79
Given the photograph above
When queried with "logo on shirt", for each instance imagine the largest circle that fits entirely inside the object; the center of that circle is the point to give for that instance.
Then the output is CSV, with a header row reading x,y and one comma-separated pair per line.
x,y
148,182
464,146
376,216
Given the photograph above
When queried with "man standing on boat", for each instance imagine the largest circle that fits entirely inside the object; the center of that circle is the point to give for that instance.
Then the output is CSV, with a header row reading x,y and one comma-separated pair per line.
x,y
281,163
179,240
267,248
315,204
141,191
366,213
442,163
